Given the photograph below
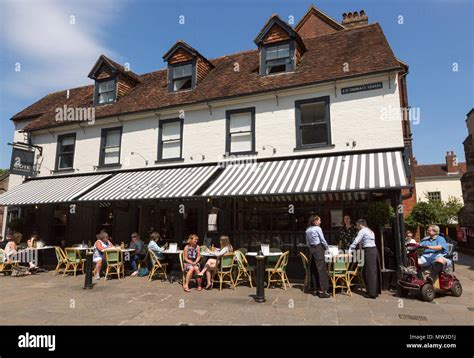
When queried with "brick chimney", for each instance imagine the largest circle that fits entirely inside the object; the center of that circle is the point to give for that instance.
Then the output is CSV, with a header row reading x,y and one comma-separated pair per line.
x,y
451,163
354,19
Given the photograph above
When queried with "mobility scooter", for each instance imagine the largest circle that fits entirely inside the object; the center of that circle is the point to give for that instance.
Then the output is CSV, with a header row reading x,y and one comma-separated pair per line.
x,y
414,277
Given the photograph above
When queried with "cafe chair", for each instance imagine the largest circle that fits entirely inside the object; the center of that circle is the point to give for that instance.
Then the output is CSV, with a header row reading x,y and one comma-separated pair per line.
x,y
354,273
6,265
272,260
338,268
277,274
225,270
245,272
114,260
158,267
243,250
74,261
307,272
62,259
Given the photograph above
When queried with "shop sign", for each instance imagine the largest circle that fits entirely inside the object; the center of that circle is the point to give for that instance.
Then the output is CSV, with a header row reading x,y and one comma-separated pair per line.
x,y
367,87
22,162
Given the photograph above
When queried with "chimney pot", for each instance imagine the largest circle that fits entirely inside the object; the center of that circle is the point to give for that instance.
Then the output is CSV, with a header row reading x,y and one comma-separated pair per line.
x,y
354,19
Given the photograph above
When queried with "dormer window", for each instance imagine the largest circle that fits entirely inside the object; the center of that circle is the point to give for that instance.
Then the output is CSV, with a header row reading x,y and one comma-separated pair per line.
x,y
181,77
281,47
186,67
112,81
106,92
278,59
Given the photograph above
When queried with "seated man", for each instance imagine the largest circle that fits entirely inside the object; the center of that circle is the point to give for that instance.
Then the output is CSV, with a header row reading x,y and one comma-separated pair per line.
x,y
436,248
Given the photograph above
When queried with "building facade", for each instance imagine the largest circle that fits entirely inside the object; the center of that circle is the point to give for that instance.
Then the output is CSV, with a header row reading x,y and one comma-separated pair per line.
x,y
248,145
439,181
466,215
3,189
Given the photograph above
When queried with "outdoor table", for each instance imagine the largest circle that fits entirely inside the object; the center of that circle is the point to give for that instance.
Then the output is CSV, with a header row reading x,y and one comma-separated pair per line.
x,y
254,254
172,256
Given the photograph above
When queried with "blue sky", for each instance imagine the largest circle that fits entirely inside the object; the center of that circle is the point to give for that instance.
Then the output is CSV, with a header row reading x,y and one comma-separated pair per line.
x,y
55,54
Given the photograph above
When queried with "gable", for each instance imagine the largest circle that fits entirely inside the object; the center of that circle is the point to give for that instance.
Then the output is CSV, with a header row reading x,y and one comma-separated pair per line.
x,y
275,34
180,55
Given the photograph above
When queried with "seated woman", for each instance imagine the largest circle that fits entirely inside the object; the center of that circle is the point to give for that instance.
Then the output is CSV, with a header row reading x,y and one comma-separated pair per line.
x,y
211,263
100,245
436,248
11,250
192,256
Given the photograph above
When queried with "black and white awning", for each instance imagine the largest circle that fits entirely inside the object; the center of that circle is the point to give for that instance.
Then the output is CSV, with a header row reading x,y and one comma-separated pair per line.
x,y
152,184
338,173
52,190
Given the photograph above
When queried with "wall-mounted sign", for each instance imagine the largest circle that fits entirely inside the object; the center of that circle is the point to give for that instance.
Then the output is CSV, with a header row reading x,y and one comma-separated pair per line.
x,y
22,162
367,87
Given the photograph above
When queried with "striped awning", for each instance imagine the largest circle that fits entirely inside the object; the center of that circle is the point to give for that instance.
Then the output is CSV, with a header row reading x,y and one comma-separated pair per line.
x,y
352,172
53,190
152,184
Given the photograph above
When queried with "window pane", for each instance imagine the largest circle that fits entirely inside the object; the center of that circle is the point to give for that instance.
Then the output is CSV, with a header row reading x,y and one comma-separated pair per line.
x,y
314,134
240,122
241,142
106,86
181,71
111,157
278,52
113,138
171,150
66,160
183,83
106,97
67,141
171,131
313,112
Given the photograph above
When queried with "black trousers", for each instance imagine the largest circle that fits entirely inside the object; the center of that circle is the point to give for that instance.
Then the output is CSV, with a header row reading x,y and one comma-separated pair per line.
x,y
319,270
372,273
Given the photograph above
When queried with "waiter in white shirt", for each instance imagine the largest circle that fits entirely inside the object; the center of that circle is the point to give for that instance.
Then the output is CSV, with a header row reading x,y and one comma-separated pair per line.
x,y
317,247
372,275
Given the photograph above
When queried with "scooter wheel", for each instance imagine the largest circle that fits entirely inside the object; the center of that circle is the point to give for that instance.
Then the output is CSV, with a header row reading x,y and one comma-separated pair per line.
x,y
428,292
456,290
402,292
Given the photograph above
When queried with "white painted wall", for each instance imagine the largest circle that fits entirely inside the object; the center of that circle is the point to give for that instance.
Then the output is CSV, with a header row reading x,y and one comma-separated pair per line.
x,y
448,187
354,117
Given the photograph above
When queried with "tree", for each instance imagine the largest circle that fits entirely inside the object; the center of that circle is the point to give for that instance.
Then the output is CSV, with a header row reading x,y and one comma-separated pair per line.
x,y
3,171
439,212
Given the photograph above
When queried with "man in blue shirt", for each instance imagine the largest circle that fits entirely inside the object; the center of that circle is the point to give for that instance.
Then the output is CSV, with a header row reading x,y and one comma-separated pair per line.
x,y
436,248
317,247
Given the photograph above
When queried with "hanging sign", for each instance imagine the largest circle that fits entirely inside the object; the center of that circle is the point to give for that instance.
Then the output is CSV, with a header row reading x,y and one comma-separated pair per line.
x,y
22,162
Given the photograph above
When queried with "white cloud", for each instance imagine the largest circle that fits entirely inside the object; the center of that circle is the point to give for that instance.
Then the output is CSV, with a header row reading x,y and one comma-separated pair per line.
x,y
54,54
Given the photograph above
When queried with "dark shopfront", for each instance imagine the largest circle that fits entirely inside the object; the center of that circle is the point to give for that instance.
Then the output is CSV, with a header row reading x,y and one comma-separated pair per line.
x,y
249,221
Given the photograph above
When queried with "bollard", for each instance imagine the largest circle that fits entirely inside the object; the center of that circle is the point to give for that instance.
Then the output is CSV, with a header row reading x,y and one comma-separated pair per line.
x,y
88,279
260,296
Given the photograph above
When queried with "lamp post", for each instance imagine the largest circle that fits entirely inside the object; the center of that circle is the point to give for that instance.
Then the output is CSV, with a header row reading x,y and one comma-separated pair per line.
x,y
88,277
260,296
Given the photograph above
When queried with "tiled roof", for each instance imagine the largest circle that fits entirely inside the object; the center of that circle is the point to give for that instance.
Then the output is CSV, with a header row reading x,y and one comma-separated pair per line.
x,y
365,49
437,170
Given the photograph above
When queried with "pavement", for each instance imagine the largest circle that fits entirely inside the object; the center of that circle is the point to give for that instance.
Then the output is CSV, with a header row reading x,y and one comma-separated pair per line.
x,y
49,299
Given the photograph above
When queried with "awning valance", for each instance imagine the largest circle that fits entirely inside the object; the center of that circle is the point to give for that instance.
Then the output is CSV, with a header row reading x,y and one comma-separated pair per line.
x,y
337,173
152,184
52,190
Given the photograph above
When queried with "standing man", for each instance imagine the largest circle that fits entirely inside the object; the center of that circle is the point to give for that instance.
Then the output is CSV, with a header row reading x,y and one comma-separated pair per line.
x,y
372,272
317,247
